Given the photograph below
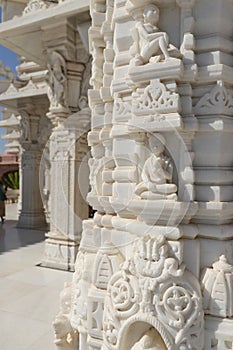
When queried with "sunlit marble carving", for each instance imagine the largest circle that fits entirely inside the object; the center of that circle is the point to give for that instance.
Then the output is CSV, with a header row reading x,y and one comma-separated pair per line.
x,y
157,173
151,44
65,337
57,80
149,341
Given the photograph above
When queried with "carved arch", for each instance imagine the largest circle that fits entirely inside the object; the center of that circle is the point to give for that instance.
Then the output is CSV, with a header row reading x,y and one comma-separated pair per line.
x,y
141,323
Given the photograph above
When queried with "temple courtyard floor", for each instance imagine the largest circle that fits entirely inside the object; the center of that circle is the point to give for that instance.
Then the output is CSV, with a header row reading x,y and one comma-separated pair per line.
x,y
29,294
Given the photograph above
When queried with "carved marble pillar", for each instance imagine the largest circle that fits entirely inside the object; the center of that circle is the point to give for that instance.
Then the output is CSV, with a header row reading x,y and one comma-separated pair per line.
x,y
155,264
68,173
142,183
31,211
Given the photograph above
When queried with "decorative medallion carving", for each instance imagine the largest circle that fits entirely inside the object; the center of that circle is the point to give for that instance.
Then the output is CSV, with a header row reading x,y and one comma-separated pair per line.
x,y
154,282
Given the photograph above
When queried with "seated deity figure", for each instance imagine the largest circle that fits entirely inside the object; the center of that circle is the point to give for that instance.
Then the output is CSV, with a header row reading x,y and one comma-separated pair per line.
x,y
149,341
157,173
150,41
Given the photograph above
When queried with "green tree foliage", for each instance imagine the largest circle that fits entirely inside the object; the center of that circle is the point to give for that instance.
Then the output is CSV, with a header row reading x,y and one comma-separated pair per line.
x,y
11,179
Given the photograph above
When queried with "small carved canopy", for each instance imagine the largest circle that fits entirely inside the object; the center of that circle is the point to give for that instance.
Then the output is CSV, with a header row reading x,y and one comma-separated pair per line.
x,y
217,286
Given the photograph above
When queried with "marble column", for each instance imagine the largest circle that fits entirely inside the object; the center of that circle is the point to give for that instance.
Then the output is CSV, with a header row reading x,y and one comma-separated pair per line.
x,y
31,211
68,172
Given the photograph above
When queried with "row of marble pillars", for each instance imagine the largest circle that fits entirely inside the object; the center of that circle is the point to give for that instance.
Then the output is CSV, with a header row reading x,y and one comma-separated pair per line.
x,y
53,152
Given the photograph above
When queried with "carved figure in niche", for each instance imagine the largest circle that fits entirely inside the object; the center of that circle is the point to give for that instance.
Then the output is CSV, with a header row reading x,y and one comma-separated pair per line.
x,y
25,127
96,166
151,44
157,173
65,337
150,340
57,80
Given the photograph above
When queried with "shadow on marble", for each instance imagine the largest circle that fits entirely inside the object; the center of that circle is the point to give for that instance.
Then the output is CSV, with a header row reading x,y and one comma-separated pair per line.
x,y
13,238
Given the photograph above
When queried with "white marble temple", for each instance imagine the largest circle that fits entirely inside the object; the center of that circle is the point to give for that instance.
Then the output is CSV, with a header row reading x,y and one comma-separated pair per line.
x,y
154,265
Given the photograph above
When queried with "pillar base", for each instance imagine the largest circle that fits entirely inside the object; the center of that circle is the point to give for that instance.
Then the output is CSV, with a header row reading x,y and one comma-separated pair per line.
x,y
32,220
60,253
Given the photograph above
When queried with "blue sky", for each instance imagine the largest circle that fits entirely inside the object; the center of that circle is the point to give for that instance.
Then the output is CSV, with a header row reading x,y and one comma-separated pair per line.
x,y
9,59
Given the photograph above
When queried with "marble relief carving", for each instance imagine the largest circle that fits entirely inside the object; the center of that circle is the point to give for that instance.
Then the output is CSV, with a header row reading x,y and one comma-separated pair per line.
x,y
153,284
25,128
150,44
66,338
57,80
157,173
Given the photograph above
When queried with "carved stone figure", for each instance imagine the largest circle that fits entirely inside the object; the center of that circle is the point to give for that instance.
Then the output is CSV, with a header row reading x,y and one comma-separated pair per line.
x,y
149,341
150,42
25,127
57,80
96,166
157,173
65,336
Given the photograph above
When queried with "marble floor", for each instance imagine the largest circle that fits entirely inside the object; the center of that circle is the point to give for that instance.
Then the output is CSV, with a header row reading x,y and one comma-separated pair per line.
x,y
29,294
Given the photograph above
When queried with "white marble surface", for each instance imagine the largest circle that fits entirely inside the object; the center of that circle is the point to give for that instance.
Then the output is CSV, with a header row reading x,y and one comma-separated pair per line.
x,y
28,293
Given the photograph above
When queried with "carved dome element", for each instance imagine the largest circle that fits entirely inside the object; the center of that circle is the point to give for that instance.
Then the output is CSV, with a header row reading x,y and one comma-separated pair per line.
x,y
217,286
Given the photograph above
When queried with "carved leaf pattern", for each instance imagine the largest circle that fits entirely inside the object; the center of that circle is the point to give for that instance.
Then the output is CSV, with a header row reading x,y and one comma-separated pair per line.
x,y
155,98
218,100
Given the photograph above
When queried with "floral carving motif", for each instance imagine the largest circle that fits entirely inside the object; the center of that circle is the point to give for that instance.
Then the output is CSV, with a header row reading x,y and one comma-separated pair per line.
x,y
153,282
122,301
218,100
35,5
155,98
178,306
